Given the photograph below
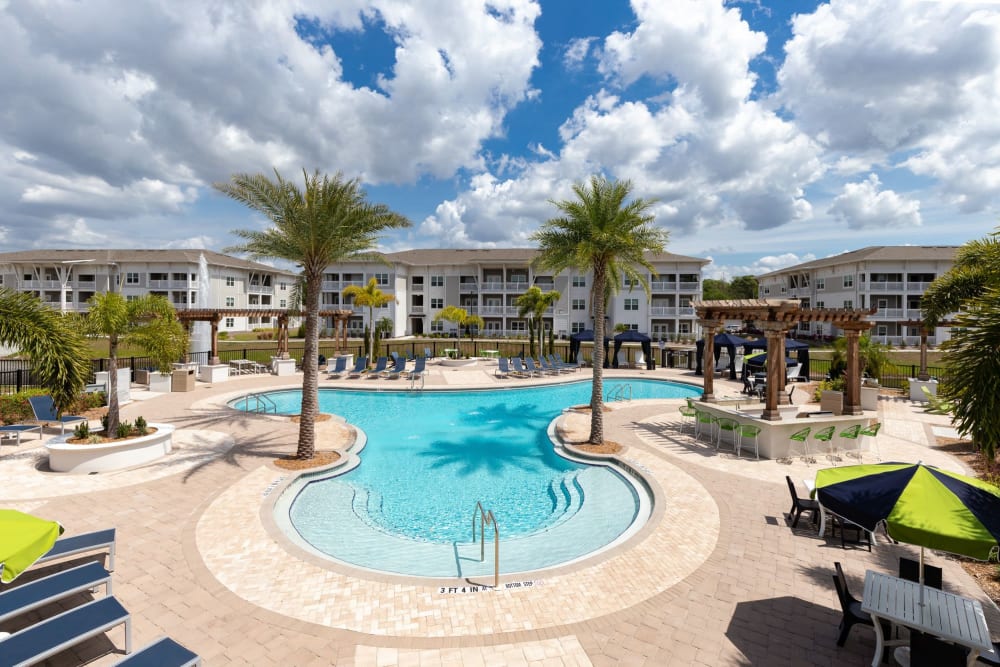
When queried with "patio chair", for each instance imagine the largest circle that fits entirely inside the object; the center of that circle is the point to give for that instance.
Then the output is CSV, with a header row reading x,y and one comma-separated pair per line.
x,y
380,365
800,505
427,353
529,365
14,431
826,436
38,593
703,419
519,369
83,543
750,431
801,436
360,368
872,431
558,367
851,608
164,652
45,413
503,368
731,426
419,368
53,635
398,367
909,569
572,366
861,536
928,651
687,416
339,368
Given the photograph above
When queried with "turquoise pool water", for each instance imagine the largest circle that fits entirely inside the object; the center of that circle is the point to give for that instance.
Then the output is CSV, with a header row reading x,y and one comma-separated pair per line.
x,y
431,456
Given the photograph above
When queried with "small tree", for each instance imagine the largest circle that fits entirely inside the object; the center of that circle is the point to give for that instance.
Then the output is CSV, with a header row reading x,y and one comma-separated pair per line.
x,y
371,297
533,304
148,322
461,318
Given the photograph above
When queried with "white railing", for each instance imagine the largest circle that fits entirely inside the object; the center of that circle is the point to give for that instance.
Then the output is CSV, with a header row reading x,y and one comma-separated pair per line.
x,y
261,289
159,284
663,285
889,313
517,287
884,286
468,287
492,286
917,286
661,311
417,310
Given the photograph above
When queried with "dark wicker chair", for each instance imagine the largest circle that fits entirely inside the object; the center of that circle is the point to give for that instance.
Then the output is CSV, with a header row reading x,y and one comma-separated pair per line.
x,y
928,651
800,505
909,569
851,607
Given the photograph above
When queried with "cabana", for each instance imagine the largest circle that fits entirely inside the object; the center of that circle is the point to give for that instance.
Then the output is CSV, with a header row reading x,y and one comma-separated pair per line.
x,y
791,345
722,340
631,336
583,337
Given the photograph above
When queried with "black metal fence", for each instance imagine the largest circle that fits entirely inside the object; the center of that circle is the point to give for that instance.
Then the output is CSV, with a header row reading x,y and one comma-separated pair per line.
x,y
894,376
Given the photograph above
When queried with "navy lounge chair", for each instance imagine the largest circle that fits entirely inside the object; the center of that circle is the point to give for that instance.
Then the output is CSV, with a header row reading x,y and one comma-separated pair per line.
x,y
518,367
380,365
419,368
38,593
339,368
15,431
78,544
164,652
45,412
398,367
53,635
559,360
360,367
529,365
503,369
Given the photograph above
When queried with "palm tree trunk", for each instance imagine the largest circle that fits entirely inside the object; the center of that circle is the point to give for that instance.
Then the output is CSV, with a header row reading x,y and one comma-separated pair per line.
x,y
371,329
310,371
597,390
113,407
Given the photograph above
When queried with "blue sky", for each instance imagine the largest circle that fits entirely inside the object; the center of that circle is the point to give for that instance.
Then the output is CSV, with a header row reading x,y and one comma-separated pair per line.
x,y
769,132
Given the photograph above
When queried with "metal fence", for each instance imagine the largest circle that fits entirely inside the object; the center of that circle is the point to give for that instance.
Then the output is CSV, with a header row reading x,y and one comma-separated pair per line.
x,y
894,376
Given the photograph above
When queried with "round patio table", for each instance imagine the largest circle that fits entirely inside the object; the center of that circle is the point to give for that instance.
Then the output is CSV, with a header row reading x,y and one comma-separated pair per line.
x,y
451,352
490,354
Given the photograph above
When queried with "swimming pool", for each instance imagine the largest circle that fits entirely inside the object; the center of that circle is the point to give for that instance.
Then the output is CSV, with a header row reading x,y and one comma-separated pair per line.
x,y
431,456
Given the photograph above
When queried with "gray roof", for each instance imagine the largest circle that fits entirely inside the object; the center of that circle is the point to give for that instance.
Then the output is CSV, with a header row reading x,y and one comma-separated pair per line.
x,y
434,257
889,253
127,256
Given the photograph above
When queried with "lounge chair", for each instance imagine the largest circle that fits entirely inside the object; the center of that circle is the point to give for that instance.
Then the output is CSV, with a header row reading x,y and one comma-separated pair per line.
x,y
78,544
503,368
427,353
15,431
339,368
380,365
38,593
546,367
519,370
398,367
46,413
54,635
529,365
360,368
559,360
935,404
164,652
419,368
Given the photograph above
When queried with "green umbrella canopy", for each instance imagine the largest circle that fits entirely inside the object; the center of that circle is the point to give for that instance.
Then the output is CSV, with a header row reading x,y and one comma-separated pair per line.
x,y
921,505
23,540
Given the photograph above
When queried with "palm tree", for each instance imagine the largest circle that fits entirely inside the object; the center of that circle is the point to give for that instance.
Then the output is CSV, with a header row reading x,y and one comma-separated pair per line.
x,y
327,222
55,348
601,232
148,322
372,297
533,304
972,355
462,318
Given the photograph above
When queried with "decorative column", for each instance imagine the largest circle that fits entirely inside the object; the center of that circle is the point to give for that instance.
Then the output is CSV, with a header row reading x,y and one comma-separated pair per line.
x,y
923,375
187,334
708,329
215,339
283,336
852,392
775,334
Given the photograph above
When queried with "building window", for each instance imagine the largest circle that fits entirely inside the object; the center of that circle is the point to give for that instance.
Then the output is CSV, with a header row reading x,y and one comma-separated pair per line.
x,y
848,304
437,326
437,303
230,281
578,304
283,286
131,278
381,278
230,301
631,304
820,304
881,330
437,281
579,281
684,328
230,323
131,297
821,283
848,281
282,304
577,327
767,290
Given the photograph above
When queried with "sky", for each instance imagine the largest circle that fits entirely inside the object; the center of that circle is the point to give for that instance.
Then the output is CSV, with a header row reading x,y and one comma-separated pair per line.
x,y
769,132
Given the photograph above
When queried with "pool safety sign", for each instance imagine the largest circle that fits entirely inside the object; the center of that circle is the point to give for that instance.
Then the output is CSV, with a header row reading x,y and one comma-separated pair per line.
x,y
508,586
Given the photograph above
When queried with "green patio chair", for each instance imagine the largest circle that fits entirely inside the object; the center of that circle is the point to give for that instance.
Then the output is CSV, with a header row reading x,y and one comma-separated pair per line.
x,y
853,433
826,436
703,419
750,431
687,416
872,431
801,437
726,425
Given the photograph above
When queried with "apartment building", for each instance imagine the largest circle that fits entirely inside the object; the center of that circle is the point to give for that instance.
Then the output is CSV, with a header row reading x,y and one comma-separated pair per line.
x,y
487,282
66,279
891,279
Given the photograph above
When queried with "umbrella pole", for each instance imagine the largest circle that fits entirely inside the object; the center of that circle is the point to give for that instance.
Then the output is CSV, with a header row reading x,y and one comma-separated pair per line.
x,y
921,579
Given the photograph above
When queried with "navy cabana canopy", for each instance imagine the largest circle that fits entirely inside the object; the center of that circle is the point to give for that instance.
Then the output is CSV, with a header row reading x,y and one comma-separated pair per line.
x,y
791,345
632,336
721,340
587,337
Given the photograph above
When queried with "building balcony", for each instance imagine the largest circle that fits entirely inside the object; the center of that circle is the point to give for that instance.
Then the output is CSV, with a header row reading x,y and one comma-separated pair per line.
x,y
260,289
85,284
517,287
889,314
160,284
885,286
491,286
917,286
495,311
663,286
468,288
416,310
914,314
664,311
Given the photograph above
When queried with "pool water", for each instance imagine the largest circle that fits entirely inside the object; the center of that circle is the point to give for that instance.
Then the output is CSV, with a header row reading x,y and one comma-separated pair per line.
x,y
431,456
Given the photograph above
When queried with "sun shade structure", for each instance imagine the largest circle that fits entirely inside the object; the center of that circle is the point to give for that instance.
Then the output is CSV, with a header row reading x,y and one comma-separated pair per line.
x,y
722,340
587,336
23,540
631,336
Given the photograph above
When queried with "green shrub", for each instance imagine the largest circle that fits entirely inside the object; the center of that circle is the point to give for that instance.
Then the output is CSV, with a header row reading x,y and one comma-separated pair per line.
x,y
124,430
141,428
104,424
837,384
223,335
82,432
14,408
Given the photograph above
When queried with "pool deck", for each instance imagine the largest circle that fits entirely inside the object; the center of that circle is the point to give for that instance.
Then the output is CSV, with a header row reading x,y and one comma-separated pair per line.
x,y
717,578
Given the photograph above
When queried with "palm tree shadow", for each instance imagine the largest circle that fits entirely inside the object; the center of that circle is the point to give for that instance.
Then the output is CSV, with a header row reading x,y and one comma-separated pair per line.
x,y
502,416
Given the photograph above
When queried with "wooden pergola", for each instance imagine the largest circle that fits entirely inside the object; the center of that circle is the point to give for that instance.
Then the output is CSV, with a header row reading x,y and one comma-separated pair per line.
x,y
775,317
215,315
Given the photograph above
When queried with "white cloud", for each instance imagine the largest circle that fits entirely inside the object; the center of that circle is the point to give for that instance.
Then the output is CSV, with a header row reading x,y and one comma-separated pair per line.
x,y
765,264
862,205
576,52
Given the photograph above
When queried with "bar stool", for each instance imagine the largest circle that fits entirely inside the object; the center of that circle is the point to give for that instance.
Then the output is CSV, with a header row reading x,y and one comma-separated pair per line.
x,y
687,416
872,430
802,437
852,434
826,435
701,419
732,427
750,431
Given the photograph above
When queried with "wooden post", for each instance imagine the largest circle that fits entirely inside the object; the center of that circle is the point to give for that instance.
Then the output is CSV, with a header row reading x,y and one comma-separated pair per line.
x,y
852,392
923,375
775,334
215,339
708,329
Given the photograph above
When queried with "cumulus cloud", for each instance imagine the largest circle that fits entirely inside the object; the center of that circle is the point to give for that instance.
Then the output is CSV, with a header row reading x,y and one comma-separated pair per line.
x,y
576,52
760,266
863,205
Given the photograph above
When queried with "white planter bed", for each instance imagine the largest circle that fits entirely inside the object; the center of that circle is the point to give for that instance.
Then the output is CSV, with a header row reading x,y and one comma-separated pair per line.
x,y
458,363
66,457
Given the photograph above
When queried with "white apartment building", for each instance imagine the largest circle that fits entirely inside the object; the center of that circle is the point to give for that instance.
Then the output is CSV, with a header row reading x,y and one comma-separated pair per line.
x,y
889,278
66,279
487,282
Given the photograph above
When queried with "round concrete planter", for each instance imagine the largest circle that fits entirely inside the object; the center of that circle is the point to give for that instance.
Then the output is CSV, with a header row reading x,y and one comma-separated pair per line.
x,y
458,363
66,457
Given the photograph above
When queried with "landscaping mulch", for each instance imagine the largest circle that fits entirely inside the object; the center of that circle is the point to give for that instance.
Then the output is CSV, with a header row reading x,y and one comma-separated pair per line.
x,y
606,447
292,462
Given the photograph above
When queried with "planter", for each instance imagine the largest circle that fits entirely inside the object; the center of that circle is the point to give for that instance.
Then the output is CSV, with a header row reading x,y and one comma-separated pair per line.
x,y
869,398
917,394
458,363
280,366
66,457
832,401
159,382
213,373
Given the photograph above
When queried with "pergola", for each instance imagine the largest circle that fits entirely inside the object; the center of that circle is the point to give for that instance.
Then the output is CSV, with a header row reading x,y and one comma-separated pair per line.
x,y
215,315
776,317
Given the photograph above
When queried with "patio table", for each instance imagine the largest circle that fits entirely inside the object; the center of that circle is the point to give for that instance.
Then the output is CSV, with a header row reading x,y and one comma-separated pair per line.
x,y
451,352
15,431
951,617
241,366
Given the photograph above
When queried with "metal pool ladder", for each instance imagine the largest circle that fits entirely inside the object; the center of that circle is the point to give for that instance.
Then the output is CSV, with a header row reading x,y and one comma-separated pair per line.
x,y
486,518
619,392
261,404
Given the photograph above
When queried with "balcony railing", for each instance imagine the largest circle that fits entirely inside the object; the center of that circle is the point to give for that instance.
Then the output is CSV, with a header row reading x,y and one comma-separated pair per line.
x,y
492,286
663,285
467,288
884,286
917,286
889,314
417,310
260,289
517,287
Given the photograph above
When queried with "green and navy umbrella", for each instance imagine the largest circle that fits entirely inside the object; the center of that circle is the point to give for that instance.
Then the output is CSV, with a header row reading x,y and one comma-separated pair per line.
x,y
920,505
23,540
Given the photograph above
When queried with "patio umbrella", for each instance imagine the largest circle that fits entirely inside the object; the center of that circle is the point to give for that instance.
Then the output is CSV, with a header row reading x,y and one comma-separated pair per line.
x,y
23,540
920,505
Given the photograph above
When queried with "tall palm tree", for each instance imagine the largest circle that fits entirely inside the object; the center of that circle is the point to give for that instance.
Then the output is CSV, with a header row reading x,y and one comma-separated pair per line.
x,y
600,231
972,355
55,348
533,304
462,318
148,322
372,297
328,221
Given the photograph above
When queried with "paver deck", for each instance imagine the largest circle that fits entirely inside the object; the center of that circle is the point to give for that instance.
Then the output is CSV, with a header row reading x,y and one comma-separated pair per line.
x,y
717,578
